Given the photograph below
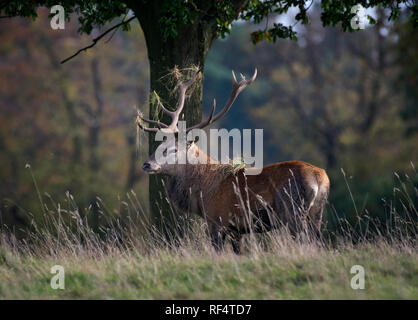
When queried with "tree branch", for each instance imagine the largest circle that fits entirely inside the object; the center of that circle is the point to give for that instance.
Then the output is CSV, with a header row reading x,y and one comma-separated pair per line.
x,y
95,40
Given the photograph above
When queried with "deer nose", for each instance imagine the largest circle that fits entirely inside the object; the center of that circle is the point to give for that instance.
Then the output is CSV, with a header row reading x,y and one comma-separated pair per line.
x,y
146,166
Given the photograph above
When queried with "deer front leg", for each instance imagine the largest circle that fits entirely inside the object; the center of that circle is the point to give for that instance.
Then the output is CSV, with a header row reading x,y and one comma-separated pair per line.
x,y
236,242
217,236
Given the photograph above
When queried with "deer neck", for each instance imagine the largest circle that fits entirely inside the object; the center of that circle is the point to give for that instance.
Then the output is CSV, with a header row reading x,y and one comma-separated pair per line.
x,y
192,182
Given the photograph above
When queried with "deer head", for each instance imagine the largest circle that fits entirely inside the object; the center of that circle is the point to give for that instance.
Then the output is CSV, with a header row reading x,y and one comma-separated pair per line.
x,y
173,151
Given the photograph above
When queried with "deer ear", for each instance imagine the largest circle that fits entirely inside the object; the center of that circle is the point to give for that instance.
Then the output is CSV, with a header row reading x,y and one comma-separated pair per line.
x,y
195,139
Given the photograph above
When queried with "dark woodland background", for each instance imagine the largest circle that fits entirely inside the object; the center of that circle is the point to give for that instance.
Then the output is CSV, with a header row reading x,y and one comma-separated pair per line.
x,y
337,100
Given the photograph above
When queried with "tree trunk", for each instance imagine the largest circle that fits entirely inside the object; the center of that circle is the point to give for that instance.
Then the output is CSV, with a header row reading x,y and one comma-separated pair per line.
x,y
188,48
95,126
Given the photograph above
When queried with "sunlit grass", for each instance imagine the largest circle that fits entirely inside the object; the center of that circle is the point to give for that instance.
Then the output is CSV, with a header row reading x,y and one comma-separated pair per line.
x,y
291,271
130,259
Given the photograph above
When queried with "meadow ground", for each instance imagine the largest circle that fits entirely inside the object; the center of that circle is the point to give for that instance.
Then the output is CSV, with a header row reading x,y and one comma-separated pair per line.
x,y
128,258
285,269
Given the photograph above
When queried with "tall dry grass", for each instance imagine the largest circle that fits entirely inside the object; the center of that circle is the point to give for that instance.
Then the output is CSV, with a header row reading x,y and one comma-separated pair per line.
x,y
129,258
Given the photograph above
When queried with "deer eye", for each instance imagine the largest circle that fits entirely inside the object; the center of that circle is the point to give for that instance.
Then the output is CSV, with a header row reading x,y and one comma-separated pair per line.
x,y
170,151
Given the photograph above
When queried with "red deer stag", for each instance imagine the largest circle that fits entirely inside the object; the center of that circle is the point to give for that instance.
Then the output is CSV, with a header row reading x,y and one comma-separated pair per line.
x,y
290,194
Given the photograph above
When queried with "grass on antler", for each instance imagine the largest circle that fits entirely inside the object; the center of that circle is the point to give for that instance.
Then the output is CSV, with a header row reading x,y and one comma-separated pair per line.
x,y
234,166
176,76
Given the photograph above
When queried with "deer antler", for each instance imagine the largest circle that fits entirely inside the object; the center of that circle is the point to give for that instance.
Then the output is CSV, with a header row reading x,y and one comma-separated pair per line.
x,y
237,87
172,127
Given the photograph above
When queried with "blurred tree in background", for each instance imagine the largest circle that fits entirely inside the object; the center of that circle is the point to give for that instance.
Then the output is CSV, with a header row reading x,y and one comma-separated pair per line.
x,y
333,99
73,124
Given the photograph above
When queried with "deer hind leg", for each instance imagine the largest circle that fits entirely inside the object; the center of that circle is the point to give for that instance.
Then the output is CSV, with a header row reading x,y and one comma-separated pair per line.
x,y
293,203
316,210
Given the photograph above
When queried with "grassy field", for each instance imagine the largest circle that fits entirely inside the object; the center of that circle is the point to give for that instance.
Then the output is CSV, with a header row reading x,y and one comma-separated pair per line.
x,y
286,270
131,261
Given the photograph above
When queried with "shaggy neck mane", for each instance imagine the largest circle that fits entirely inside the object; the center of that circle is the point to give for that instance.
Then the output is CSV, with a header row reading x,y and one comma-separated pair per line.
x,y
196,181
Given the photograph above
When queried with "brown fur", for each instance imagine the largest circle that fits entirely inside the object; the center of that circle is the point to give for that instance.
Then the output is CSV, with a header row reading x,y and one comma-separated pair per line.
x,y
291,194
